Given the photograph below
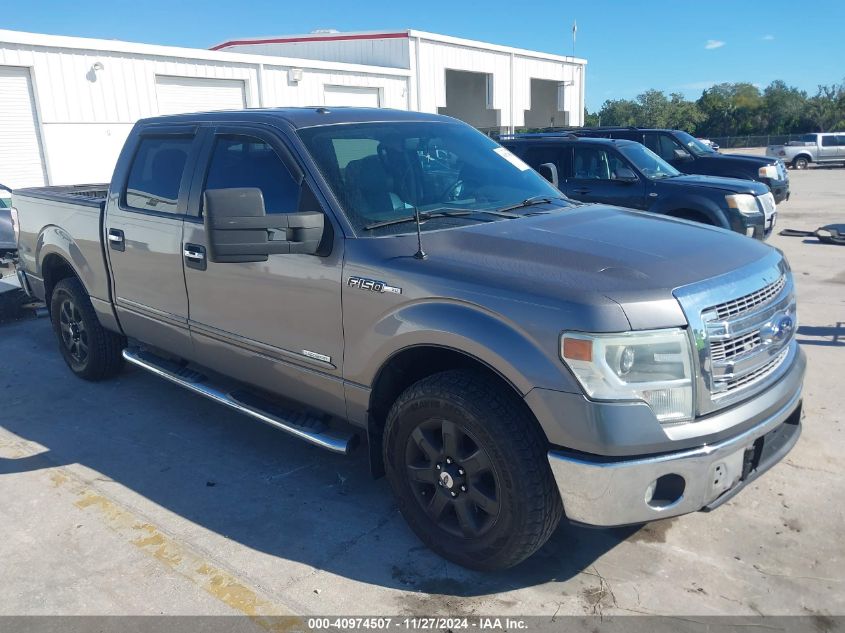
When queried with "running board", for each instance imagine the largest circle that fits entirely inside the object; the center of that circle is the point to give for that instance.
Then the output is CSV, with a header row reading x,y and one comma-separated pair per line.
x,y
299,424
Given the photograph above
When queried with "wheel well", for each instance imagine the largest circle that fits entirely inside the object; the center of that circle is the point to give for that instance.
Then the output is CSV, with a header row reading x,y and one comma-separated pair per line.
x,y
54,269
803,155
690,214
406,368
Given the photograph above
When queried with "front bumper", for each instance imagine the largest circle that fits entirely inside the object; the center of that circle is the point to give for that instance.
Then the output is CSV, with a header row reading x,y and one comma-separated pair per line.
x,y
610,492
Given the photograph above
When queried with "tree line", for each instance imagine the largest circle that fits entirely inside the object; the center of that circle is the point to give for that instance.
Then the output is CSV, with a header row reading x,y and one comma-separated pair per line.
x,y
731,109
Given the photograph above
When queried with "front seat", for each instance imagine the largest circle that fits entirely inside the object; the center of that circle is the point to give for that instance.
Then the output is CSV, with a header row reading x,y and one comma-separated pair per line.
x,y
370,188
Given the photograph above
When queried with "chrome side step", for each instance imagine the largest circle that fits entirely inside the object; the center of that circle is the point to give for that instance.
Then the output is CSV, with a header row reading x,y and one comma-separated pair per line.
x,y
298,424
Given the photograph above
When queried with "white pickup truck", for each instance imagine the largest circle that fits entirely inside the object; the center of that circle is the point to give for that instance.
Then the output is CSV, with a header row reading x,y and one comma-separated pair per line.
x,y
811,148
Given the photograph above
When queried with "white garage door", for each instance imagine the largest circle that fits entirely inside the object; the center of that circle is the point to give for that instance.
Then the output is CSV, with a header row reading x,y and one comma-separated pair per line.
x,y
193,94
21,158
352,96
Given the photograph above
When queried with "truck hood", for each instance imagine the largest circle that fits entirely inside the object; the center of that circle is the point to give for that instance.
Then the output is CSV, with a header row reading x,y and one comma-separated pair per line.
x,y
730,185
590,254
740,162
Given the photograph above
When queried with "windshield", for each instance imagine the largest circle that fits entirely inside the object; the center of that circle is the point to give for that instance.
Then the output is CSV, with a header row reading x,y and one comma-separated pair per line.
x,y
383,172
693,144
649,163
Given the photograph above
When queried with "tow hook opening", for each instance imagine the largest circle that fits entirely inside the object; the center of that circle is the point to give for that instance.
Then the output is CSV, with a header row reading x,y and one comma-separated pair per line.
x,y
665,491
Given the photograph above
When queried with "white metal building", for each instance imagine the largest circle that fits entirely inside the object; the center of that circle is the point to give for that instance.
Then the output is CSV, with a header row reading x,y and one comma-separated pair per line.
x,y
486,85
68,103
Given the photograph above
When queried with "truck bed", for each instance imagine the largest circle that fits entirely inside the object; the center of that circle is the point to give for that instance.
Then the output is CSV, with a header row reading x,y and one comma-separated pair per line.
x,y
90,195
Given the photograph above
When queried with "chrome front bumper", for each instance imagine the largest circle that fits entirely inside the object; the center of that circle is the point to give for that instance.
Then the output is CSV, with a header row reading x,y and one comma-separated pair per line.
x,y
618,491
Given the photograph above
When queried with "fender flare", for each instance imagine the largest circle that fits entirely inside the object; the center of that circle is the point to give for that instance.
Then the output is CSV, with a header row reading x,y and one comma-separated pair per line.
x,y
694,202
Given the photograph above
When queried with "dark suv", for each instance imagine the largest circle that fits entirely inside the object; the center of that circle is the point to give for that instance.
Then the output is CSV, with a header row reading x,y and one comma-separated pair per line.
x,y
628,174
689,155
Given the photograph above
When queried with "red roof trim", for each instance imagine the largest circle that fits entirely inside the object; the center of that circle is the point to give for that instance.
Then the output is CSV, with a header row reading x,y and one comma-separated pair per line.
x,y
314,38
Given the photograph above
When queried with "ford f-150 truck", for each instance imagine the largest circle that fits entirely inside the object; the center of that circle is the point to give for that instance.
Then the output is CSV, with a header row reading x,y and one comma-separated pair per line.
x,y
810,148
509,356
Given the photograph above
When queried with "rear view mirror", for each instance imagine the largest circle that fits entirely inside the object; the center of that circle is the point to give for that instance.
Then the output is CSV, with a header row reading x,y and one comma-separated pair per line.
x,y
238,228
623,174
549,172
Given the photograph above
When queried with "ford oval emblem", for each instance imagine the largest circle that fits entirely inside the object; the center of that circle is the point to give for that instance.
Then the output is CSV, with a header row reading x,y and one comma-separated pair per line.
x,y
778,329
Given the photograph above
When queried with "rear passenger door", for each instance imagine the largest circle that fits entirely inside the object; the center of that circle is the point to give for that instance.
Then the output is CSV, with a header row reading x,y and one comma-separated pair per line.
x,y
829,147
276,324
595,178
143,229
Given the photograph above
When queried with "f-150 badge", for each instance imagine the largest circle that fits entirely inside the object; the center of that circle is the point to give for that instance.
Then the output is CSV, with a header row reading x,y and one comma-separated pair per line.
x,y
373,285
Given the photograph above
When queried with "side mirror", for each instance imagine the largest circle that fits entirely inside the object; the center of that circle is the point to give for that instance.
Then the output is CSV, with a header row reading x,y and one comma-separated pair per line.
x,y
549,172
623,174
680,154
238,228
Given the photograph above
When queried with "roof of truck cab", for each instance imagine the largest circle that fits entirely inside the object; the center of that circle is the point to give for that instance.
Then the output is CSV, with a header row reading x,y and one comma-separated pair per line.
x,y
548,137
301,117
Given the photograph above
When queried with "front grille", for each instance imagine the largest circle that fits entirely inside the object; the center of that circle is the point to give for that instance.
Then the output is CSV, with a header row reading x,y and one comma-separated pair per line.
x,y
757,375
733,347
737,307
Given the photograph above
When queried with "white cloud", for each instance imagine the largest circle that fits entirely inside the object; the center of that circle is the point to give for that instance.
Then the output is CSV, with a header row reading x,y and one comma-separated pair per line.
x,y
768,38
711,44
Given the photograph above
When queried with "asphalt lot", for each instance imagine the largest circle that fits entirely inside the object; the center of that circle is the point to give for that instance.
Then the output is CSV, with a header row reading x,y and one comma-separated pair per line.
x,y
135,497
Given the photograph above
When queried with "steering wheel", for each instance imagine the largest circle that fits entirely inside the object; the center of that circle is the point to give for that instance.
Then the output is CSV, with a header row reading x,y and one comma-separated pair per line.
x,y
453,191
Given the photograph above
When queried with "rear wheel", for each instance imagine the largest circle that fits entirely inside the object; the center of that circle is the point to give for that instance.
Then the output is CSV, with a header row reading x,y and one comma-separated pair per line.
x,y
469,469
91,351
800,162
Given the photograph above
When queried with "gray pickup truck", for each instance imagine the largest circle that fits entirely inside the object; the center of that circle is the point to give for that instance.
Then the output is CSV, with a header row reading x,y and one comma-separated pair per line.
x,y
510,356
811,148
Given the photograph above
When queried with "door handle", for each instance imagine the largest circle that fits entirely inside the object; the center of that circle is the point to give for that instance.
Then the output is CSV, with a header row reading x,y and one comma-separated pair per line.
x,y
116,240
581,191
194,256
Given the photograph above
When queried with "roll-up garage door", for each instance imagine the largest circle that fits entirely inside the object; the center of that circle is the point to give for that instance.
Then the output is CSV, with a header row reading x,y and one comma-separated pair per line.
x,y
194,94
21,158
352,96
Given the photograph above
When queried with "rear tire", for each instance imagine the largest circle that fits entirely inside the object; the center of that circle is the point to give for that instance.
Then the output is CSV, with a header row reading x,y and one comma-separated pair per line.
x,y
91,351
469,470
800,162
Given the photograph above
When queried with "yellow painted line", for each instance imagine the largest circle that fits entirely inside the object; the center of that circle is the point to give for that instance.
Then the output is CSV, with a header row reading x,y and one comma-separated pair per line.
x,y
176,556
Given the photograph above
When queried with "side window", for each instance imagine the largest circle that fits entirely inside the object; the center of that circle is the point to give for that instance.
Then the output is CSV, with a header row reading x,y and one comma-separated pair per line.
x,y
156,173
593,163
663,145
246,161
560,156
841,140
828,141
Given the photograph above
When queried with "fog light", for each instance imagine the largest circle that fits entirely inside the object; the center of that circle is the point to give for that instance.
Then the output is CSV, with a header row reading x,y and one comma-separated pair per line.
x,y
665,491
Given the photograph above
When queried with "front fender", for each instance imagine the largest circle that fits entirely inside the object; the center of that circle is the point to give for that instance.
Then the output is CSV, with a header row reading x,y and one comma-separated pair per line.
x,y
498,343
692,202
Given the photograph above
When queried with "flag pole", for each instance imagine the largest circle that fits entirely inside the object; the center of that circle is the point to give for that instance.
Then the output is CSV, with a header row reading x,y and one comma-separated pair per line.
x,y
574,33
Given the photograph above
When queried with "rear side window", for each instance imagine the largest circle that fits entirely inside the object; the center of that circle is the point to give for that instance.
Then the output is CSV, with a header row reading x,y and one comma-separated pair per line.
x,y
828,141
156,173
560,157
246,161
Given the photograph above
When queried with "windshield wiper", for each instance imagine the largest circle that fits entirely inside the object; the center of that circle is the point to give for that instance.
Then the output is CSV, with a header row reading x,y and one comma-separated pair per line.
x,y
528,202
424,215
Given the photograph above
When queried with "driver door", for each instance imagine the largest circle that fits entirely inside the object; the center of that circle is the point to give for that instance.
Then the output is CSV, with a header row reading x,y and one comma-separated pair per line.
x,y
276,323
670,150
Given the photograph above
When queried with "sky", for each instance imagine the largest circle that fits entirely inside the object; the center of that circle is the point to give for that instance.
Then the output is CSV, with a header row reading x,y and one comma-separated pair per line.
x,y
630,46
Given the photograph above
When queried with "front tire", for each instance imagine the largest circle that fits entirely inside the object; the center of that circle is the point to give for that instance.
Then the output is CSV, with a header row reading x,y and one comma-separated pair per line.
x,y
800,162
91,351
469,470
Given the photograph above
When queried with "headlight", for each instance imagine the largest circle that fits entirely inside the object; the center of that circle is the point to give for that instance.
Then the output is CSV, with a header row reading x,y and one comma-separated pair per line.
x,y
652,366
769,171
745,203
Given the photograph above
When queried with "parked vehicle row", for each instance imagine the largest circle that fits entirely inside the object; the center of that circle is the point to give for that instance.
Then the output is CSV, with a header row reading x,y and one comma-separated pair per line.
x,y
819,148
628,174
510,356
691,156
